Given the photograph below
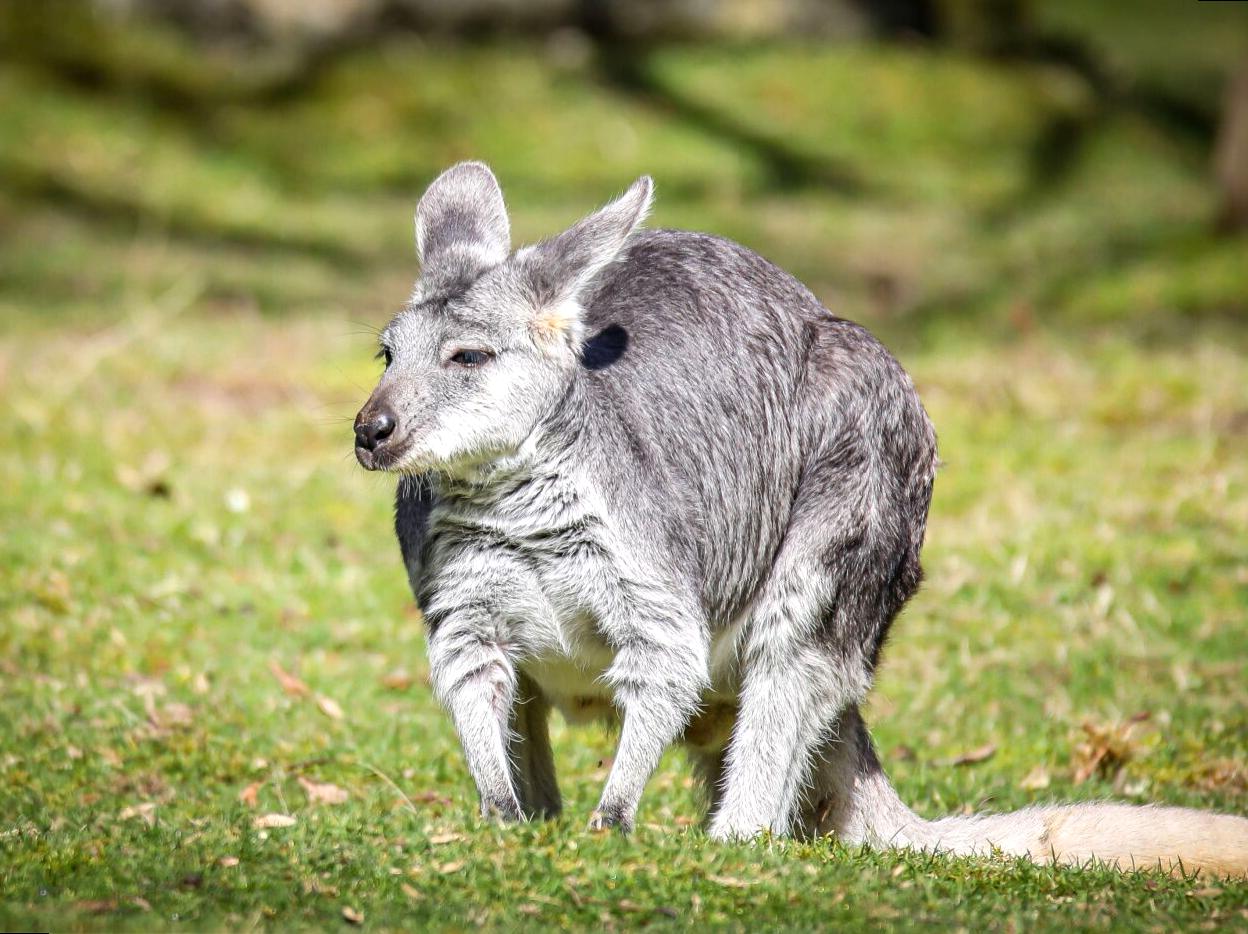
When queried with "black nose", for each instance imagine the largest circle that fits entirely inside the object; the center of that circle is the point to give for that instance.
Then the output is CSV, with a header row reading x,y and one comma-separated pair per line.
x,y
370,434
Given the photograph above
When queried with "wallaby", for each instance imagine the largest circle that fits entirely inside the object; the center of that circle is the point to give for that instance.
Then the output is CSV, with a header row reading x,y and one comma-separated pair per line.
x,y
646,476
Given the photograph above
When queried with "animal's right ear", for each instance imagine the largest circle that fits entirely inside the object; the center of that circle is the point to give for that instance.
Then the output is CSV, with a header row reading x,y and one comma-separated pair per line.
x,y
461,226
560,268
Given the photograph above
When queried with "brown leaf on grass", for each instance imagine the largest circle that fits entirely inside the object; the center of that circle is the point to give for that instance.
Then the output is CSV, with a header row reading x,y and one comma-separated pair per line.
x,y
272,821
248,794
323,792
290,684
627,905
398,680
439,838
146,811
148,688
138,901
453,866
410,891
971,756
351,916
1221,775
570,884
1107,749
174,714
732,882
227,862
97,906
1035,780
329,707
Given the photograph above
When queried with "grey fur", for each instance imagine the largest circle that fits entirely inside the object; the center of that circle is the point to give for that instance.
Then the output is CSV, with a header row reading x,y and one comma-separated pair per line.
x,y
462,227
681,494
648,478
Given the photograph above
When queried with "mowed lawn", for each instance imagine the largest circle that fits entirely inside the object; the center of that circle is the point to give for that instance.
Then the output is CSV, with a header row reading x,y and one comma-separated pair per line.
x,y
214,708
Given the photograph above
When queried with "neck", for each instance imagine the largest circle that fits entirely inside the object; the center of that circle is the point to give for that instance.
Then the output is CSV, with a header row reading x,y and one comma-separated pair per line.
x,y
485,478
542,453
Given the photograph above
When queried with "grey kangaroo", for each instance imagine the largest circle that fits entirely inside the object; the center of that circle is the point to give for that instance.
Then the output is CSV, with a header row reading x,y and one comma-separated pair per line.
x,y
645,476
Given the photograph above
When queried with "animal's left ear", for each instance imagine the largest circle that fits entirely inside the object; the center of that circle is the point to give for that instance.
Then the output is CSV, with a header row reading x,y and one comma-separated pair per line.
x,y
560,269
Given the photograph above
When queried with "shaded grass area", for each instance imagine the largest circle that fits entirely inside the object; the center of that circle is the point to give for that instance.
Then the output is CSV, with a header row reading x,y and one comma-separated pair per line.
x,y
912,187
186,294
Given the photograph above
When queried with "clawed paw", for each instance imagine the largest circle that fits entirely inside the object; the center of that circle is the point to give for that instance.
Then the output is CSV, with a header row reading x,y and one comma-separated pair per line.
x,y
506,811
607,818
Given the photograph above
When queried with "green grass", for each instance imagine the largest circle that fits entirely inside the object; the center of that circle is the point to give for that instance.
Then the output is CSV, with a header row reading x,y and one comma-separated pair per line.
x,y
186,297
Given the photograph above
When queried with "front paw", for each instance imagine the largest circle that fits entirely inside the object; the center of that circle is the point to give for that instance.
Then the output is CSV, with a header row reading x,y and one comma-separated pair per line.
x,y
607,816
727,831
502,809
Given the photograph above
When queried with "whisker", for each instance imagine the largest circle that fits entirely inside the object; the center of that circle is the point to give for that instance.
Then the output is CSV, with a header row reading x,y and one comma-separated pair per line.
x,y
366,327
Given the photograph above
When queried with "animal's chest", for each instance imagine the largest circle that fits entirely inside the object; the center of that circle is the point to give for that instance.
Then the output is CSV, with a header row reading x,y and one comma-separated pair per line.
x,y
568,660
554,569
570,654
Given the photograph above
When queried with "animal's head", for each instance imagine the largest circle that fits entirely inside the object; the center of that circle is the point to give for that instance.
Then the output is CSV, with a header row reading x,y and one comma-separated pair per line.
x,y
490,339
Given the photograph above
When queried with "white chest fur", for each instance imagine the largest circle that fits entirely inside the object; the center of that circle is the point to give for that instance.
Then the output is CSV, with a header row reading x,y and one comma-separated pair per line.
x,y
551,564
581,586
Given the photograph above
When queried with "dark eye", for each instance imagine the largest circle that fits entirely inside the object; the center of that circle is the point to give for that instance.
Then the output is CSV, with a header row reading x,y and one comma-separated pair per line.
x,y
385,354
471,357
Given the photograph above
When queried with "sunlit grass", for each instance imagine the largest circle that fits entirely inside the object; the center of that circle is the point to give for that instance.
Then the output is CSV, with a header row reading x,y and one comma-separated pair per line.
x,y
186,308
187,516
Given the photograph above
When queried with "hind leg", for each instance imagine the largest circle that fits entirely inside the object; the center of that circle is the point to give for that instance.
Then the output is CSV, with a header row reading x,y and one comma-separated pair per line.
x,y
708,770
809,651
706,744
828,796
532,762
789,705
849,795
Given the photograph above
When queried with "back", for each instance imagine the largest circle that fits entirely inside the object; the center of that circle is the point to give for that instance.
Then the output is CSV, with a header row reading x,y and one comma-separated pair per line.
x,y
728,381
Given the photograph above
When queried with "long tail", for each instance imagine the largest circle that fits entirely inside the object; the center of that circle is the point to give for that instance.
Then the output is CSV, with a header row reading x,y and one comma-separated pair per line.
x,y
859,803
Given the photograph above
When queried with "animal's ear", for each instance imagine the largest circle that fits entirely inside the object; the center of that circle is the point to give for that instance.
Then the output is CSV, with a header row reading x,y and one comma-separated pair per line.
x,y
560,268
461,226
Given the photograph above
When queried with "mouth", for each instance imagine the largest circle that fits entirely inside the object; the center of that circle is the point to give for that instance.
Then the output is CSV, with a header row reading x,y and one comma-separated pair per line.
x,y
386,457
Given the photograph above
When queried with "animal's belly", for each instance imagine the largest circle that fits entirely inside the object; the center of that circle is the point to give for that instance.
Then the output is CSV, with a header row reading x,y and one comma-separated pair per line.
x,y
574,686
570,675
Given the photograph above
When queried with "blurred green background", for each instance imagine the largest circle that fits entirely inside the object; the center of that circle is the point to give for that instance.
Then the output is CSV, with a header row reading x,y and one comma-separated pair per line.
x,y
205,210
1013,164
